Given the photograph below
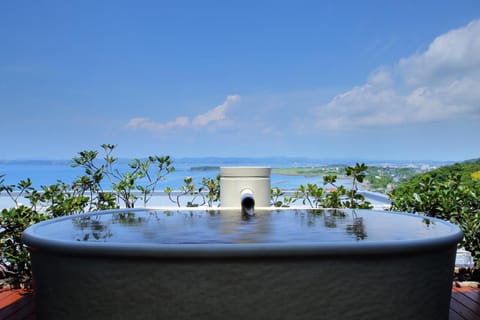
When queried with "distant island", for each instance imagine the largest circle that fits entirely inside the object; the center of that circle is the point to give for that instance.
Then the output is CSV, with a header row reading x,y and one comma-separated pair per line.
x,y
311,171
205,168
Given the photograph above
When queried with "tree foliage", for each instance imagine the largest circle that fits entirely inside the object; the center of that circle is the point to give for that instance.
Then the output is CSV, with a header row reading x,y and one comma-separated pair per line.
x,y
447,193
465,170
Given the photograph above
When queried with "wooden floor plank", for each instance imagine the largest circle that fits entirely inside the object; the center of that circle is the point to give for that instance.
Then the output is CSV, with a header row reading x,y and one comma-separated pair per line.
x,y
455,316
465,303
16,305
8,297
461,309
24,310
473,294
473,305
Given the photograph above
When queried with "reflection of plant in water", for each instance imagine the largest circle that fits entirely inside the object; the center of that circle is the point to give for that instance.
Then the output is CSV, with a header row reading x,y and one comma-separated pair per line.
x,y
92,228
428,222
95,229
357,227
127,218
168,213
331,217
330,221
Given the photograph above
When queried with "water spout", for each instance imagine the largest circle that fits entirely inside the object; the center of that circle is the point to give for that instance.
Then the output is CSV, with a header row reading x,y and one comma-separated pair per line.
x,y
247,202
244,188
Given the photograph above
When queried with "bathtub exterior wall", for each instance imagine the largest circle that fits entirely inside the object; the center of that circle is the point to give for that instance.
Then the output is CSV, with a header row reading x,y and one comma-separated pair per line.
x,y
402,286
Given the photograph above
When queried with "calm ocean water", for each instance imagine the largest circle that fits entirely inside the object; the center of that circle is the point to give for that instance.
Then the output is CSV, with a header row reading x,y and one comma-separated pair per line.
x,y
47,172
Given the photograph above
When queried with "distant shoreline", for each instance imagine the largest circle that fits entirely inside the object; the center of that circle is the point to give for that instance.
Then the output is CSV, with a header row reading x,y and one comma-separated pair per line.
x,y
311,171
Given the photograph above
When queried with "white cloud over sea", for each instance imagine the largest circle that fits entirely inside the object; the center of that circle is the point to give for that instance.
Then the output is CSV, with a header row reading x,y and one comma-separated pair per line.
x,y
213,117
438,84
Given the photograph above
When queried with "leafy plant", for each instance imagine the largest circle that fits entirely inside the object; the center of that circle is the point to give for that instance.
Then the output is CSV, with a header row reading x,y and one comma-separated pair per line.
x,y
187,188
356,200
14,255
311,195
448,198
466,170
124,184
208,192
278,198
335,196
211,189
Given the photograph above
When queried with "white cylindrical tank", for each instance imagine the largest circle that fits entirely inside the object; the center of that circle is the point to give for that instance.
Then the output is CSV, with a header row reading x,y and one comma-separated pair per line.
x,y
239,183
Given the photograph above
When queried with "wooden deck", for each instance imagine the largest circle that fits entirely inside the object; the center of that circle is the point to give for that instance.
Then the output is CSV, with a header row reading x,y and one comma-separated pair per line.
x,y
465,304
19,304
16,305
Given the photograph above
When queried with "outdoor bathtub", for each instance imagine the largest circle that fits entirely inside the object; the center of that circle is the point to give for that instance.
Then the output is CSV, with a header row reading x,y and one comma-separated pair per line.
x,y
280,264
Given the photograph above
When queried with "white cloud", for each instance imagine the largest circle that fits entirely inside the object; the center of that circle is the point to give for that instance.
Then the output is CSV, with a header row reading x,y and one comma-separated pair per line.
x,y
362,106
381,78
213,116
456,53
439,84
216,114
146,124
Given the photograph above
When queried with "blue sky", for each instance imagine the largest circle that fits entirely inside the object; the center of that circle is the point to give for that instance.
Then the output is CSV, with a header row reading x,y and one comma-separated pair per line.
x,y
386,80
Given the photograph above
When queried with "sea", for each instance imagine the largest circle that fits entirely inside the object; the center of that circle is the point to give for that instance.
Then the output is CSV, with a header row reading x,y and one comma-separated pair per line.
x,y
48,172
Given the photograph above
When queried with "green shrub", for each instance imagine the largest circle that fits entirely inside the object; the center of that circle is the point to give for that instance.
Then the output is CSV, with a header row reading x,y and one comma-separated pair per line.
x,y
448,198
14,254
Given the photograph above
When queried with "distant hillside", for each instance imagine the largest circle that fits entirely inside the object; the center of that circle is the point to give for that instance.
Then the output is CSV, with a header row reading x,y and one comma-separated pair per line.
x,y
467,170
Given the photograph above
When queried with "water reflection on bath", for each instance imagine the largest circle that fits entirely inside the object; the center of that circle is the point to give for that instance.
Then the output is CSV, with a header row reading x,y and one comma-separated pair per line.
x,y
230,227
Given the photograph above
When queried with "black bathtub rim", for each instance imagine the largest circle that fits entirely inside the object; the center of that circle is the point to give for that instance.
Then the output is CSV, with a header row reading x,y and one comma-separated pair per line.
x,y
36,242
